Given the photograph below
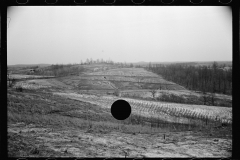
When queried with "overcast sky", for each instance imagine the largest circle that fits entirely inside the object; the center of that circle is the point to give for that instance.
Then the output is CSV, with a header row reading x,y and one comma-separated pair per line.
x,y
120,33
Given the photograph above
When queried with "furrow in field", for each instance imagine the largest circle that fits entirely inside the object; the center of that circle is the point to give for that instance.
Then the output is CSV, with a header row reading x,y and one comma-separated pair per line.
x,y
179,113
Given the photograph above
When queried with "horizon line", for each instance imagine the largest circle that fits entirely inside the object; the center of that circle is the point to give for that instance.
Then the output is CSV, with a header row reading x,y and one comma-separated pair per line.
x,y
123,62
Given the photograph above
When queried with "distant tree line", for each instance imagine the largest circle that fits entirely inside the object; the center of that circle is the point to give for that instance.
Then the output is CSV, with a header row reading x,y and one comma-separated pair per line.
x,y
60,70
213,79
97,61
101,61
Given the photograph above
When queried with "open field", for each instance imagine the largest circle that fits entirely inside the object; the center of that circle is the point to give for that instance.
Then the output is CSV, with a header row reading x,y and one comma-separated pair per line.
x,y
171,112
128,72
70,117
122,79
50,142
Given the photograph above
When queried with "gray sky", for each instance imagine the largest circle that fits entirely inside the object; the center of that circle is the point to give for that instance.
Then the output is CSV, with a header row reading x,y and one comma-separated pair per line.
x,y
120,33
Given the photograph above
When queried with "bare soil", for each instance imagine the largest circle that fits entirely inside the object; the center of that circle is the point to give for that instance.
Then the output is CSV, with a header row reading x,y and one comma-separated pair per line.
x,y
62,142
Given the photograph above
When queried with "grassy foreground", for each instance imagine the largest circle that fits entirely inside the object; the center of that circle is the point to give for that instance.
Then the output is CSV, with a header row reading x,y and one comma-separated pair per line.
x,y
41,108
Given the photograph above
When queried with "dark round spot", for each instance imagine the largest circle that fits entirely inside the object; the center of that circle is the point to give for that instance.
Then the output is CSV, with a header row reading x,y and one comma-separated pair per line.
x,y
121,109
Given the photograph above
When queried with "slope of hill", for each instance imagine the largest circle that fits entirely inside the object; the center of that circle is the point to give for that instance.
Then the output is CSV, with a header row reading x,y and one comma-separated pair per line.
x,y
120,78
69,116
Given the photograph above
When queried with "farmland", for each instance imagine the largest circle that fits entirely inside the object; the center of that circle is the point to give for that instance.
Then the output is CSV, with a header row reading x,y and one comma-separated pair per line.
x,y
123,78
157,110
70,116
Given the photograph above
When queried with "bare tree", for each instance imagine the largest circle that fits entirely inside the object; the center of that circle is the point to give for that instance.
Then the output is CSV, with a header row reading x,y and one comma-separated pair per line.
x,y
11,81
160,87
204,97
117,93
153,92
213,96
87,61
139,80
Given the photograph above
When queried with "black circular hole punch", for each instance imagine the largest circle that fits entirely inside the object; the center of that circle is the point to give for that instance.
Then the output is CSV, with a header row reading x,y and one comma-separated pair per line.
x,y
167,1
109,1
121,109
80,1
225,1
196,1
138,1
51,1
22,1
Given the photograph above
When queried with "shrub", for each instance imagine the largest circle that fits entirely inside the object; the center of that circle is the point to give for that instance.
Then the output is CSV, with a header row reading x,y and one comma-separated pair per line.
x,y
116,93
19,89
11,82
174,98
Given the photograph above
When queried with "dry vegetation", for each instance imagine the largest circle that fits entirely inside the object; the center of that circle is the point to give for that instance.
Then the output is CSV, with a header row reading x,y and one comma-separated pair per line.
x,y
70,116
131,72
121,78
171,112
